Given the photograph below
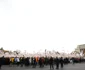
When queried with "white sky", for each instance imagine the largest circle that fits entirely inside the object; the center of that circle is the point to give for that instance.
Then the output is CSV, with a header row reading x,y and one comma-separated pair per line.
x,y
42,24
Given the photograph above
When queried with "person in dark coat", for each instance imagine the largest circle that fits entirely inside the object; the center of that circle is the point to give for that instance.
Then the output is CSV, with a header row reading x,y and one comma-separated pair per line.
x,y
57,62
46,61
22,61
2,60
34,62
40,62
51,62
27,60
61,62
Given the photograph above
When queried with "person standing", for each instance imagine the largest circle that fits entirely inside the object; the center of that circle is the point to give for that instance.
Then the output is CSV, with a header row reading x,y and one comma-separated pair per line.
x,y
2,59
11,61
0,63
61,62
51,63
40,62
57,62
34,62
22,61
73,60
18,61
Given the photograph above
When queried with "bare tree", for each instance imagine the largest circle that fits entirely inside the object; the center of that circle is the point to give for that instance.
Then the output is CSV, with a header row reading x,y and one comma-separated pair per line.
x,y
1,48
17,52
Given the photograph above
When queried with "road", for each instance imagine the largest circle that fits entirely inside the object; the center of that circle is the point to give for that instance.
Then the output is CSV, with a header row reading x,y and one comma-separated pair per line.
x,y
79,66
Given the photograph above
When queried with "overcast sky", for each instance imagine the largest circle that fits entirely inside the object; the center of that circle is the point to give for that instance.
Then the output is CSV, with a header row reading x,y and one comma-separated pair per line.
x,y
35,25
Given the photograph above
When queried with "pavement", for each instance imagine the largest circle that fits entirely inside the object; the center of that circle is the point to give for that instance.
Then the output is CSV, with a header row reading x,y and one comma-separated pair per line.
x,y
78,66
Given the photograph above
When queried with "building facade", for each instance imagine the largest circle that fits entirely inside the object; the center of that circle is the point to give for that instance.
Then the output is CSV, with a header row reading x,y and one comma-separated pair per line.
x,y
81,49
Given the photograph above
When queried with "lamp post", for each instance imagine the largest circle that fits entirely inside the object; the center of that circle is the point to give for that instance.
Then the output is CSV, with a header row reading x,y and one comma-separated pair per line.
x,y
45,52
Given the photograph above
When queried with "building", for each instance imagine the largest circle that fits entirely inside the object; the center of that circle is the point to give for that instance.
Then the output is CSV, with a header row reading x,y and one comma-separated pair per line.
x,y
81,49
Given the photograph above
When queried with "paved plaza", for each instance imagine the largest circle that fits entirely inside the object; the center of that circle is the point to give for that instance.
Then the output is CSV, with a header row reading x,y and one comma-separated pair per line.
x,y
79,66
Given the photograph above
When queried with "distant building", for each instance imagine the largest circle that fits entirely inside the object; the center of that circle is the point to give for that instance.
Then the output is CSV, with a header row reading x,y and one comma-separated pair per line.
x,y
81,49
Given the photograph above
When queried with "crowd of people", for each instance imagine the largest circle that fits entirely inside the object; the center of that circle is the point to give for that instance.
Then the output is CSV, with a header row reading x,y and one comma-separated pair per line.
x,y
40,61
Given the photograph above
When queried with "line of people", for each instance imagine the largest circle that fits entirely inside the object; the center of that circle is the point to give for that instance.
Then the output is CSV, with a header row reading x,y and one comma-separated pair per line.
x,y
34,61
